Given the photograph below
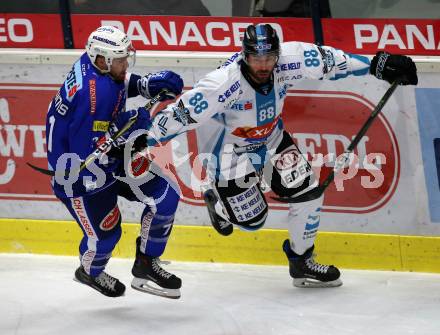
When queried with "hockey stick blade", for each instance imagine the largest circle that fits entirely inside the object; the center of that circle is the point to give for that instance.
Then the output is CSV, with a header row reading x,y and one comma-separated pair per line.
x,y
339,164
41,170
164,93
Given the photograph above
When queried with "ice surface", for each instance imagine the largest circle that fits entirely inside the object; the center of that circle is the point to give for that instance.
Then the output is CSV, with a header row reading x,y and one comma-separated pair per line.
x,y
38,296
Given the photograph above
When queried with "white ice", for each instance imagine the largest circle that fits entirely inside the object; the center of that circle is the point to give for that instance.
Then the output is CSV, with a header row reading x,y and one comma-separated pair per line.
x,y
38,296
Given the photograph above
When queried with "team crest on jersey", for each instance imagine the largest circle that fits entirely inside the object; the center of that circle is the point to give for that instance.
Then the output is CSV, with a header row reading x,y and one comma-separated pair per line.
x,y
328,60
181,114
111,219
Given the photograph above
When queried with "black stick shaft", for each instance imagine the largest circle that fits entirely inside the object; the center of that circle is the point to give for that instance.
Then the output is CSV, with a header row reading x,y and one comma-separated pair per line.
x,y
361,133
339,163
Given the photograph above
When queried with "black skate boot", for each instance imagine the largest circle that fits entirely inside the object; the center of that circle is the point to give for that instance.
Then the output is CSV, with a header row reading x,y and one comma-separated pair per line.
x,y
147,270
222,226
104,283
307,273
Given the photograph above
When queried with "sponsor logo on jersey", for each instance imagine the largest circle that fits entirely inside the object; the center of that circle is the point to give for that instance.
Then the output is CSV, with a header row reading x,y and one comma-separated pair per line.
x,y
139,164
288,66
289,78
92,90
120,102
256,133
83,69
312,226
78,207
100,125
71,86
73,81
254,147
59,106
283,91
242,105
288,159
162,124
111,219
231,59
235,86
145,227
247,205
292,167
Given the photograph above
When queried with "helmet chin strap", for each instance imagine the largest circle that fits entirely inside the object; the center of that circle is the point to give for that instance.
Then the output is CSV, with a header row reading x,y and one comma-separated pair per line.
x,y
108,61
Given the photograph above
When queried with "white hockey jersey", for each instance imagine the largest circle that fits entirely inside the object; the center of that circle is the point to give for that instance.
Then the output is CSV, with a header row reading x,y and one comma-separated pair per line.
x,y
237,125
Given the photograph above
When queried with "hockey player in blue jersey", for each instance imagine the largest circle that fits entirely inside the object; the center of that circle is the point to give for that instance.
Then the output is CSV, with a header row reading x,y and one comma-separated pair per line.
x,y
237,109
88,109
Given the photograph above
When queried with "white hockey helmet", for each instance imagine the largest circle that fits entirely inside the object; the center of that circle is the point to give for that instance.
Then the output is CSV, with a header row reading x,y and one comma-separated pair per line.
x,y
109,42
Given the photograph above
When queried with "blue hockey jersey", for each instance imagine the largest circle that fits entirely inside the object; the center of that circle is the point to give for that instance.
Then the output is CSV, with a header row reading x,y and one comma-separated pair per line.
x,y
78,116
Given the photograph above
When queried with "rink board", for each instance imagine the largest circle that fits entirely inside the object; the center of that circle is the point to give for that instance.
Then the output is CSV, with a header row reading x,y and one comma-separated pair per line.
x,y
204,244
392,226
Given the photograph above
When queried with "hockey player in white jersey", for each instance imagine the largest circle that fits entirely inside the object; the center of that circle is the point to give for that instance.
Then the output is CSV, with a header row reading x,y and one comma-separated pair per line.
x,y
237,109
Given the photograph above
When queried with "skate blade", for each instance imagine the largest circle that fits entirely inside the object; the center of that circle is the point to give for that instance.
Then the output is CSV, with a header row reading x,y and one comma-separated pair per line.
x,y
147,286
311,283
97,289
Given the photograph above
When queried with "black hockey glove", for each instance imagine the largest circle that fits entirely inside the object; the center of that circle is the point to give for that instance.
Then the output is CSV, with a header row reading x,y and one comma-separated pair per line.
x,y
390,67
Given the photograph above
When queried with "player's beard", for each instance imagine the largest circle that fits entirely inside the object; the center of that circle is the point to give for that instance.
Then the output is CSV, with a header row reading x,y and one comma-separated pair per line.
x,y
263,76
260,76
119,77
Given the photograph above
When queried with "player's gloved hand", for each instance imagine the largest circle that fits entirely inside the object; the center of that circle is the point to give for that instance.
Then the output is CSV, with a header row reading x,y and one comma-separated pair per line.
x,y
125,124
135,137
164,79
390,67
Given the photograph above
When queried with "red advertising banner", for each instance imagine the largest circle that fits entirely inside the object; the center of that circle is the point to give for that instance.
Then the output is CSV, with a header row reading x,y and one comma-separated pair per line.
x,y
22,139
323,124
190,33
366,36
31,31
187,33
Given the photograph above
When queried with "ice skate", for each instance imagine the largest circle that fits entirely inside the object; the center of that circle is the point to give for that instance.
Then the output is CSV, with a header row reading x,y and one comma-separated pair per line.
x,y
151,278
222,226
308,273
104,283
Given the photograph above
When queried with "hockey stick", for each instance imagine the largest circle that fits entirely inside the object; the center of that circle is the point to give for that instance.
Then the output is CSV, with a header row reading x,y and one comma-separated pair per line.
x,y
103,147
340,163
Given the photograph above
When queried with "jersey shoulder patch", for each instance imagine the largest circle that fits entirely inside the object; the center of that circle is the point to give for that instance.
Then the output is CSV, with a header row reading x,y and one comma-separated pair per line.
x,y
74,81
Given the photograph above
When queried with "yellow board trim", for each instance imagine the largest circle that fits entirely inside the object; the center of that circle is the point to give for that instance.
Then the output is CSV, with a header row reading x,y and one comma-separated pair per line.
x,y
203,244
